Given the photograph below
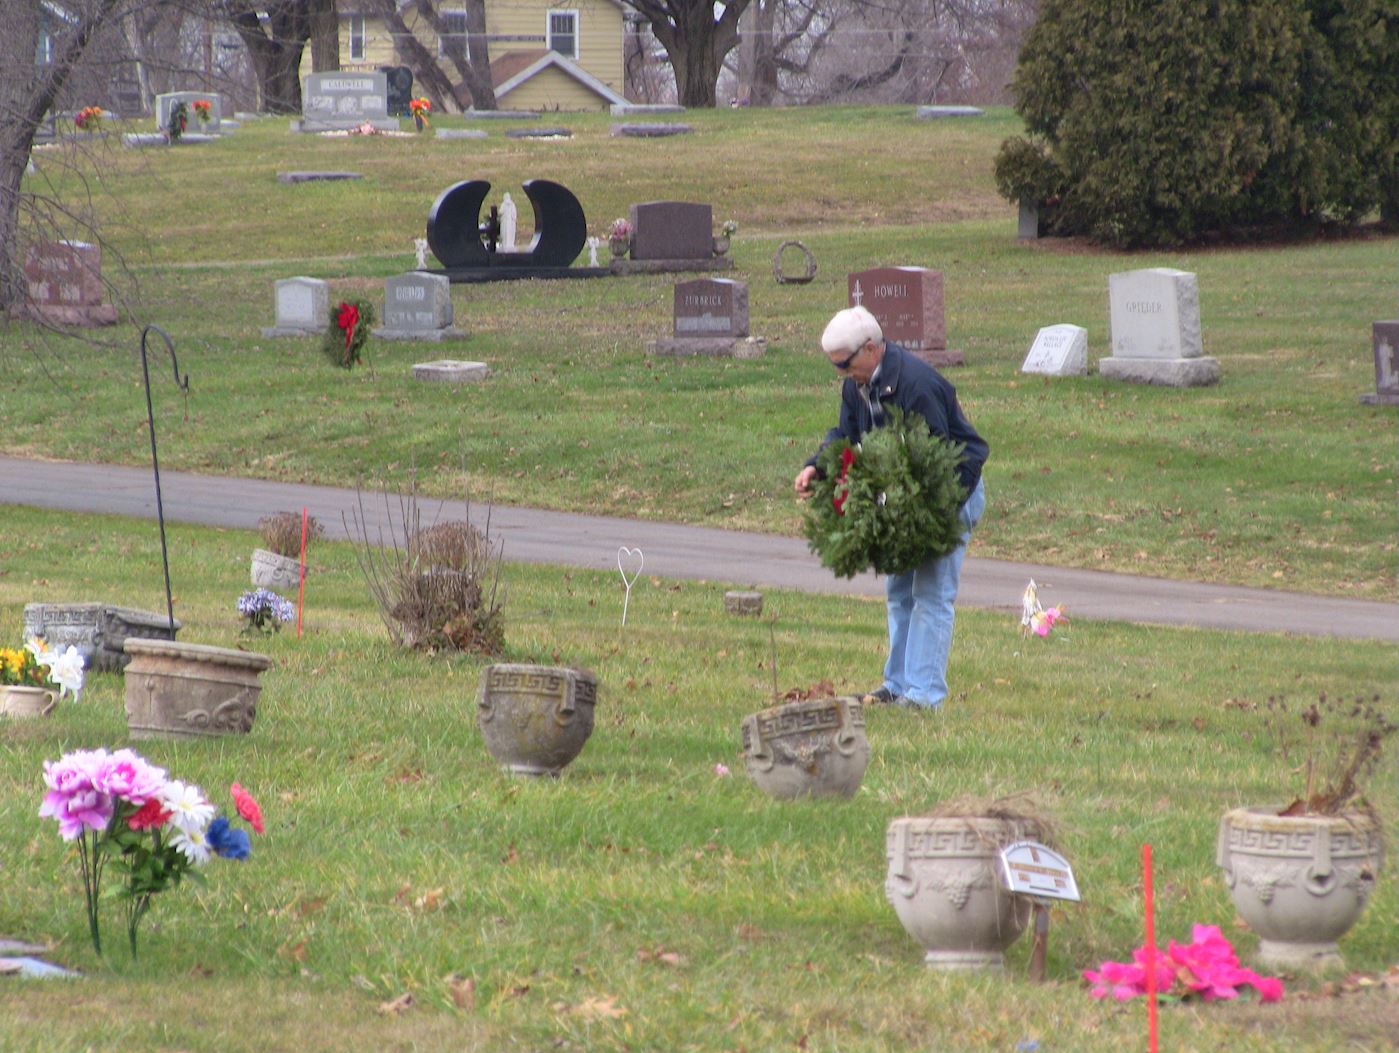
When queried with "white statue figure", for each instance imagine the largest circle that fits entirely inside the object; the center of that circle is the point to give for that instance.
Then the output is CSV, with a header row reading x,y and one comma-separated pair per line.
x,y
507,225
420,245
593,244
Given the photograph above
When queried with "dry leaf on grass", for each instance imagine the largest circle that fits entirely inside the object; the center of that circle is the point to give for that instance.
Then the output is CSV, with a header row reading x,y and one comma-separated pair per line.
x,y
593,1008
463,992
661,956
397,1006
430,900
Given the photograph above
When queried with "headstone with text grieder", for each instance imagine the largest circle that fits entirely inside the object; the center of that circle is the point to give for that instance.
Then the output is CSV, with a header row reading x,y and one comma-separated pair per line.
x,y
710,318
418,306
1156,336
64,284
908,304
340,101
1386,342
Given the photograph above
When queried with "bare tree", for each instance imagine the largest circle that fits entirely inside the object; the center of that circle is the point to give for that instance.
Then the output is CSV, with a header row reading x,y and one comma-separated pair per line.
x,y
275,33
697,35
467,54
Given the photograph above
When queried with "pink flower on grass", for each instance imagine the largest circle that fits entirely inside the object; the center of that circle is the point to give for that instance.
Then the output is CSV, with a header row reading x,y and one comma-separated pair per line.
x,y
247,807
721,770
1207,968
74,798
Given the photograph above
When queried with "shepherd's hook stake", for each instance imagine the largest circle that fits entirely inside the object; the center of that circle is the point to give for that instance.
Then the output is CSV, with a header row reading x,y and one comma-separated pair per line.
x,y
183,385
629,553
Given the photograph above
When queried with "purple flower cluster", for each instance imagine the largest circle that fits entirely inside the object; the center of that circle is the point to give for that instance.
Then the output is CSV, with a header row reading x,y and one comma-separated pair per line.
x,y
265,610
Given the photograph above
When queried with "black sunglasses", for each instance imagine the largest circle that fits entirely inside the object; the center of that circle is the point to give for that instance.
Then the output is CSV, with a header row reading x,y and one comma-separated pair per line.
x,y
843,366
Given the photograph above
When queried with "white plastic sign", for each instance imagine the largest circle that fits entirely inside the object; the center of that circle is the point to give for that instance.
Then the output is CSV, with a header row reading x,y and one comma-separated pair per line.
x,y
1031,869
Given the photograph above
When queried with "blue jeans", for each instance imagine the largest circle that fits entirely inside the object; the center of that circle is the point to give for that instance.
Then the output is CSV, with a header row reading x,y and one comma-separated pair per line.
x,y
921,615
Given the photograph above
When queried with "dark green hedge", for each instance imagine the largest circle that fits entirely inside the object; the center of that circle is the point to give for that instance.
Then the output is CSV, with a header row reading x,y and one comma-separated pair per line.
x,y
1156,123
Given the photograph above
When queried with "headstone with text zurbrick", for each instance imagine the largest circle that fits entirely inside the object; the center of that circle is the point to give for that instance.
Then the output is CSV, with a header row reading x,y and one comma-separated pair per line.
x,y
710,318
908,304
1386,342
64,283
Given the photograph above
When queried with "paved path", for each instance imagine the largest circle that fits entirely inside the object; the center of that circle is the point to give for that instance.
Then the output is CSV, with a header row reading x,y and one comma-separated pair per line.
x,y
673,551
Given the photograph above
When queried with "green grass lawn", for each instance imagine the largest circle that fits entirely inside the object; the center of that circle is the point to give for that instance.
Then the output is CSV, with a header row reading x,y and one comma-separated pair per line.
x,y
1276,477
642,901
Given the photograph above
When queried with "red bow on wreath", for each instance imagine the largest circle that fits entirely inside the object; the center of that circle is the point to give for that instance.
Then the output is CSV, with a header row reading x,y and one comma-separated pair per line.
x,y
842,491
347,319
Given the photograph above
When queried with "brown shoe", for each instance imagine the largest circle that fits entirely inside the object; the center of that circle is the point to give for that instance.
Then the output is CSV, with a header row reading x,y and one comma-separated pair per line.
x,y
880,696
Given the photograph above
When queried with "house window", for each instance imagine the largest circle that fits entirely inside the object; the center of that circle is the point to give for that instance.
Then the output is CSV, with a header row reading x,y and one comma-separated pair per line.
x,y
44,54
453,39
356,36
563,33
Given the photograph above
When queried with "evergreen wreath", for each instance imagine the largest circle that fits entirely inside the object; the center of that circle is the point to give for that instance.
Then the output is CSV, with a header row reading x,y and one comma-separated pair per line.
x,y
348,330
890,503
178,122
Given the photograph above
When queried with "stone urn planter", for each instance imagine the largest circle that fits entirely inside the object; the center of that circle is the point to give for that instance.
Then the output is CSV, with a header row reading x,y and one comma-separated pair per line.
x,y
1300,881
23,702
278,573
535,718
180,690
943,883
721,244
813,748
618,247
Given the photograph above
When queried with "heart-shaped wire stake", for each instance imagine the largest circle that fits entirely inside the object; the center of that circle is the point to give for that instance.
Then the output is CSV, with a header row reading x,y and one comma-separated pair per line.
x,y
630,555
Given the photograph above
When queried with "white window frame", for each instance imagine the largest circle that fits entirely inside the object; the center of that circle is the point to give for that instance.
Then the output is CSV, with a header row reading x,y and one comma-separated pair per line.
x,y
444,13
357,36
43,55
571,12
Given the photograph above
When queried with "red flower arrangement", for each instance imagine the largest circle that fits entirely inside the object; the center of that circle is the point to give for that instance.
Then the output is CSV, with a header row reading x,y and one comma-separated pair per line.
x,y
202,110
89,118
420,108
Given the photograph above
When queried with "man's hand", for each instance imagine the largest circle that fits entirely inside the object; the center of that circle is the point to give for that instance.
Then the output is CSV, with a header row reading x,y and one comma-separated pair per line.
x,y
802,484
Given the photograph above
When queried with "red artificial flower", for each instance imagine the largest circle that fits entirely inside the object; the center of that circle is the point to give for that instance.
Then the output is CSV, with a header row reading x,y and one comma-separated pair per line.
x,y
149,816
247,807
347,319
847,458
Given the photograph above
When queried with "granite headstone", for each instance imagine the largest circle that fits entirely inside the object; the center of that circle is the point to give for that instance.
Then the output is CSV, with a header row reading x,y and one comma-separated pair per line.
x,y
340,101
1156,335
303,307
672,230
64,283
166,102
418,306
711,307
1058,351
1386,342
908,303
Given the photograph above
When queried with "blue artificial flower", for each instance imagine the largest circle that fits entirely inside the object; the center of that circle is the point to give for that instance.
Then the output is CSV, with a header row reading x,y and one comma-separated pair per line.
x,y
227,840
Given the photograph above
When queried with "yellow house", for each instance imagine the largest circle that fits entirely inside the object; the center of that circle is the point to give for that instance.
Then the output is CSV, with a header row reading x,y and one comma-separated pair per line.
x,y
545,54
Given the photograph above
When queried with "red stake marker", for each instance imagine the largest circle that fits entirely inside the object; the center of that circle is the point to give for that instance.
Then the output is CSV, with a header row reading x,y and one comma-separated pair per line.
x,y
301,583
1148,895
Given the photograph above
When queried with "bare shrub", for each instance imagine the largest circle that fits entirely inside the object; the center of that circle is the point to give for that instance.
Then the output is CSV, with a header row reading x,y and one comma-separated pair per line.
x,y
436,587
281,533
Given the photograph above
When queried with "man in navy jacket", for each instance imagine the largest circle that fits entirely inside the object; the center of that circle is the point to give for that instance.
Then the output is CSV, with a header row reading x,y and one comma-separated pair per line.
x,y
879,374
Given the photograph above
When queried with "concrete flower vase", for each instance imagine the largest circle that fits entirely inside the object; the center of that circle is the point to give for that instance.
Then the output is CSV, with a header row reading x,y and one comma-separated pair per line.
x,y
278,573
1300,881
22,702
535,718
943,884
814,748
179,690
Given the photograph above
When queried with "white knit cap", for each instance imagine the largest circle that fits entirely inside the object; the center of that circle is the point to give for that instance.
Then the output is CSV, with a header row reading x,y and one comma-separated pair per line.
x,y
850,330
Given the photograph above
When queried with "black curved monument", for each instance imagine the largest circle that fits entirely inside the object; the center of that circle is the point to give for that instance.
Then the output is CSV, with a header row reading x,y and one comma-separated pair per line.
x,y
467,247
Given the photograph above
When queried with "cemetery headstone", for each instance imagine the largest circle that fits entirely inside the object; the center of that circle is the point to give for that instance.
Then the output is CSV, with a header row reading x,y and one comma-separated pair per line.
x,y
303,307
400,89
1155,322
98,630
624,109
1386,342
166,102
672,230
710,318
64,283
1058,351
935,112
1029,228
539,133
340,101
908,303
651,131
451,371
467,246
316,177
418,306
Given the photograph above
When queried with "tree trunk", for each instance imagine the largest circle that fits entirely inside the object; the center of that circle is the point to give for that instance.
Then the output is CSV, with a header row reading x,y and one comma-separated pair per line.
x,y
762,76
436,85
325,36
479,58
695,41
276,53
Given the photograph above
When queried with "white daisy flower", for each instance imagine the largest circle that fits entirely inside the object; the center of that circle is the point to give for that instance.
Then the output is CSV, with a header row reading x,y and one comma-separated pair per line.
x,y
193,845
189,812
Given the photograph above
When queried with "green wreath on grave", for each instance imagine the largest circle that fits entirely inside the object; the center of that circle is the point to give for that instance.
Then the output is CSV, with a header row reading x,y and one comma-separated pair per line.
x,y
348,330
888,504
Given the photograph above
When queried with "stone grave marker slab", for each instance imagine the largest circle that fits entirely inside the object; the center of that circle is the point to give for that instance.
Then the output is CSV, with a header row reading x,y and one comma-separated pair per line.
x,y
137,140
450,371
672,230
167,102
315,177
935,112
1156,338
303,307
711,307
625,109
539,133
64,284
908,302
418,306
1058,351
651,131
462,133
98,630
339,101
1385,337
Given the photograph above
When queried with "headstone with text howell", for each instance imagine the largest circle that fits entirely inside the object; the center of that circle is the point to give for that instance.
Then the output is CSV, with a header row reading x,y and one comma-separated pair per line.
x,y
166,102
908,304
711,318
64,284
1156,337
669,236
1058,351
340,101
303,307
418,306
1386,341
